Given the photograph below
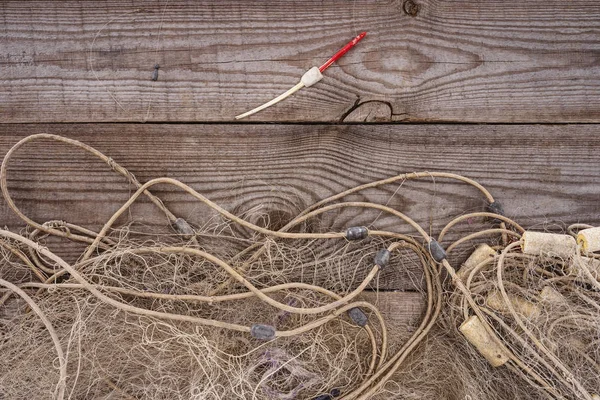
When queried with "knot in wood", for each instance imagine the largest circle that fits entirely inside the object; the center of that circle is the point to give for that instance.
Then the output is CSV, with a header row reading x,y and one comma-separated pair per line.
x,y
155,72
411,8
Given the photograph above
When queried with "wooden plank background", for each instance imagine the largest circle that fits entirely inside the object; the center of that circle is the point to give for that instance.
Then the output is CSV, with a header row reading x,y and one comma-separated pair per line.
x,y
412,90
458,61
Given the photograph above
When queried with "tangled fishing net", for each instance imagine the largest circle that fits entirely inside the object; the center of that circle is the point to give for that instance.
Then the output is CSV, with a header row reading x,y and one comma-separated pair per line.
x,y
234,309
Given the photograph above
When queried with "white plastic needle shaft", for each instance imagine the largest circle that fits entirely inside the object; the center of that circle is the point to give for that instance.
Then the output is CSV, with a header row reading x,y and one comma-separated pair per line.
x,y
276,100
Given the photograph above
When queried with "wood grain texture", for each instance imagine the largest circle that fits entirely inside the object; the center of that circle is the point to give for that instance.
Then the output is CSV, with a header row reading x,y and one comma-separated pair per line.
x,y
460,60
402,310
545,176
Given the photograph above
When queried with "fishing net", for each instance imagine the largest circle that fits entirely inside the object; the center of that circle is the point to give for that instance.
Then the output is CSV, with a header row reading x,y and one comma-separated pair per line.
x,y
250,305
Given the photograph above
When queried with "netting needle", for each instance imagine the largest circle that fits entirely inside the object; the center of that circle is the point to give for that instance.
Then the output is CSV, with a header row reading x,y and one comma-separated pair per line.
x,y
311,77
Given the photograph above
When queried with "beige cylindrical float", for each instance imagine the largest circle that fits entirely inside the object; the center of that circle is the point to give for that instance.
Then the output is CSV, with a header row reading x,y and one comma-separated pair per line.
x,y
589,239
482,253
548,244
474,331
551,295
496,302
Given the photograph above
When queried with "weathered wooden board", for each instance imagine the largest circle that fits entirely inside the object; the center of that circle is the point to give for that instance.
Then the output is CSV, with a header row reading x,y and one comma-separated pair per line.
x,y
482,61
402,310
546,176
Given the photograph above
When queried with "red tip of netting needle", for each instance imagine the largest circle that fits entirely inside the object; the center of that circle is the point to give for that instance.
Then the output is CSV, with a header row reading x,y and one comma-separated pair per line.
x,y
342,51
